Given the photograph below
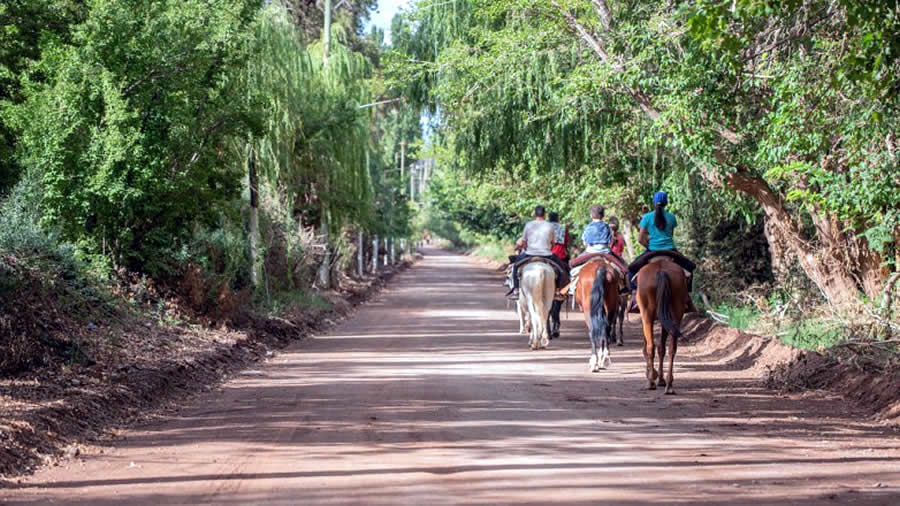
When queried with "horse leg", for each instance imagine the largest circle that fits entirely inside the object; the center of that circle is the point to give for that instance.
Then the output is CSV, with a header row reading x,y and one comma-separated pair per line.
x,y
673,347
592,362
604,360
649,351
546,305
538,321
620,317
663,336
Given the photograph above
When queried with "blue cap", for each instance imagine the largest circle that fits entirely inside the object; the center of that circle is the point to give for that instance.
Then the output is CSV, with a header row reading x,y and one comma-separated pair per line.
x,y
660,198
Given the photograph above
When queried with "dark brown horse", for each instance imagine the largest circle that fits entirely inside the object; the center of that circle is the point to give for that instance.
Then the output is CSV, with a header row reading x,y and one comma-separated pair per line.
x,y
599,301
661,295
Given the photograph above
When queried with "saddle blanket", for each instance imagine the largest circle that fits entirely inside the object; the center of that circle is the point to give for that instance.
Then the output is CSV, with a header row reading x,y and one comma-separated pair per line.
x,y
611,260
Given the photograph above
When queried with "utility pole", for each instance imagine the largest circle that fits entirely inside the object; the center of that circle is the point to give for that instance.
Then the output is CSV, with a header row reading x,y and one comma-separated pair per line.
x,y
402,159
325,268
412,183
327,31
254,218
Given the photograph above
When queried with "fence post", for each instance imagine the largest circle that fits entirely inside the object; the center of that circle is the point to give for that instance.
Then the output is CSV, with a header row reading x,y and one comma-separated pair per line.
x,y
361,255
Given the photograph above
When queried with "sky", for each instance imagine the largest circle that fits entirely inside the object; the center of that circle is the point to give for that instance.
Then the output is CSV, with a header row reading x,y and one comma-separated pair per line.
x,y
382,15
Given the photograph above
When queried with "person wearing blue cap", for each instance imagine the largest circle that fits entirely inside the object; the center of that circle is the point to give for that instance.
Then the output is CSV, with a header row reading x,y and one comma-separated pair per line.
x,y
658,225
657,230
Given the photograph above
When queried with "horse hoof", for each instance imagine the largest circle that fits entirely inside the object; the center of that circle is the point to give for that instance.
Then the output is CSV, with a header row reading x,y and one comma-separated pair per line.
x,y
670,391
620,343
545,343
652,386
661,382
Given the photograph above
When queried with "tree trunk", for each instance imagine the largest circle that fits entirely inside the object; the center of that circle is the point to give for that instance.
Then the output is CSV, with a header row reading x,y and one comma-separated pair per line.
x,y
254,219
823,265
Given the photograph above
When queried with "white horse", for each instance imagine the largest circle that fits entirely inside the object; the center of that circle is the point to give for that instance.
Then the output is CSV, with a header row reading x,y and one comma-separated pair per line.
x,y
537,289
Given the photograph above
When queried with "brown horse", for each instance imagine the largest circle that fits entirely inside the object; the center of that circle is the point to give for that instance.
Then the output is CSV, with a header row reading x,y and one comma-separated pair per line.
x,y
661,295
599,301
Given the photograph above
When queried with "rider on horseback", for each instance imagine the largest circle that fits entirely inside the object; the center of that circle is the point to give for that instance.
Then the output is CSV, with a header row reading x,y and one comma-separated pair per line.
x,y
597,236
561,252
657,228
618,242
537,241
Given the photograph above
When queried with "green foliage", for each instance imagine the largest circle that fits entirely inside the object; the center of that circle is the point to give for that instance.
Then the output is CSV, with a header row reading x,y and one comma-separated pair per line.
x,y
492,250
222,252
314,139
20,231
799,98
810,334
738,317
23,25
129,128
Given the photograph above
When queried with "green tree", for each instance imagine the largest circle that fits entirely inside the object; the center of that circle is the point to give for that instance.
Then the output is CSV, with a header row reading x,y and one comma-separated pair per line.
x,y
23,24
129,130
790,106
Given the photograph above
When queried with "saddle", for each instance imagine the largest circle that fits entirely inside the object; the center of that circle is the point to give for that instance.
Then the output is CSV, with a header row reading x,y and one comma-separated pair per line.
x,y
611,260
562,275
658,256
616,260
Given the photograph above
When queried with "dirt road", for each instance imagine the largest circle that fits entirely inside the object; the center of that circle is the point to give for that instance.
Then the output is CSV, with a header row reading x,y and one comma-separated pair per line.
x,y
427,396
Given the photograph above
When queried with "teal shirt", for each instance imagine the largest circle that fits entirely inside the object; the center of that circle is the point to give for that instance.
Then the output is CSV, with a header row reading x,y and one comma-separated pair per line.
x,y
660,239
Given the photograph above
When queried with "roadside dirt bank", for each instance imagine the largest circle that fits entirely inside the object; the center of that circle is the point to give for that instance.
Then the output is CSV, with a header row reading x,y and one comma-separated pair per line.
x,y
144,369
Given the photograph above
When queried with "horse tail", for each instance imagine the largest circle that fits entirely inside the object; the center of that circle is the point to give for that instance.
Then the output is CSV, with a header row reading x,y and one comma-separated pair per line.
x,y
664,304
598,316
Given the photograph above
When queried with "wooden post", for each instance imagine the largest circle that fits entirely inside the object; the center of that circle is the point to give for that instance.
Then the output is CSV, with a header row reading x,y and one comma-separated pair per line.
x,y
374,254
361,254
325,268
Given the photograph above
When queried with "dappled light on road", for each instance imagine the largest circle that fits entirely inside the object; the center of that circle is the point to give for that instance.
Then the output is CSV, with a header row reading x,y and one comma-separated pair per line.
x,y
417,399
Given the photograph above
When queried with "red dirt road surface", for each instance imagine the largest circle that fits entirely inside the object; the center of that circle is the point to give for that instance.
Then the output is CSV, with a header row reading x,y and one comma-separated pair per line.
x,y
428,396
